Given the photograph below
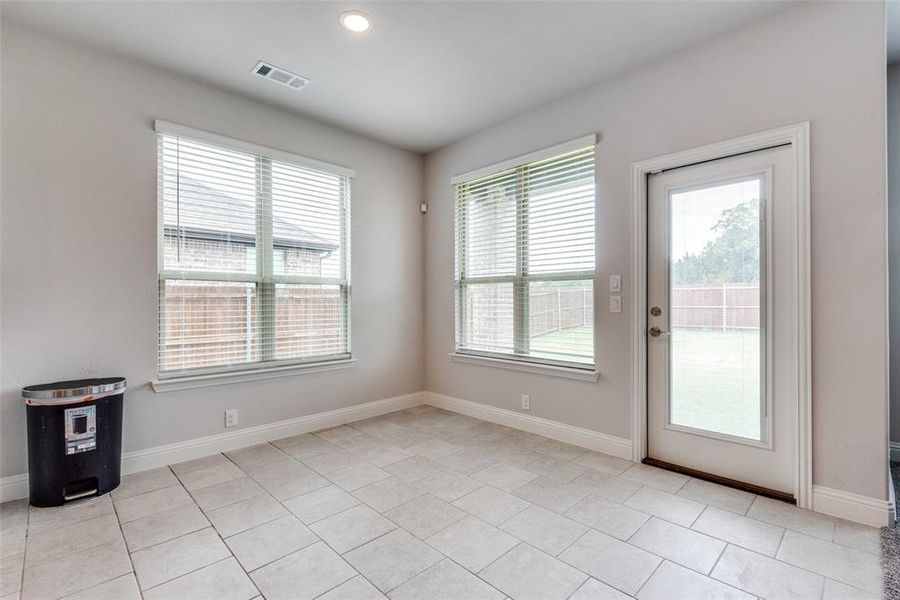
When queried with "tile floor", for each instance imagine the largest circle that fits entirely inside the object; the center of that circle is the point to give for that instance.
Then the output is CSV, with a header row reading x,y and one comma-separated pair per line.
x,y
427,504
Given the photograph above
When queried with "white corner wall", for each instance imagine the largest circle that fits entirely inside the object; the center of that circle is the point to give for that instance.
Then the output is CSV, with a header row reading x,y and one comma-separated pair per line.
x,y
893,158
79,243
822,62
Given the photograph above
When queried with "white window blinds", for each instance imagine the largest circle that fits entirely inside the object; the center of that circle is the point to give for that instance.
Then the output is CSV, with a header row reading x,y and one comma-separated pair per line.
x,y
525,261
253,259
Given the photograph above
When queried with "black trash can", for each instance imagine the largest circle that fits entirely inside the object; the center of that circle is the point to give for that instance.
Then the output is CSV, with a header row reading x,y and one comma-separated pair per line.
x,y
74,439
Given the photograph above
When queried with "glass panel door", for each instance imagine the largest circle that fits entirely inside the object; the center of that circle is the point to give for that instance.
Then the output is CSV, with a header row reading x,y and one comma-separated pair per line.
x,y
721,318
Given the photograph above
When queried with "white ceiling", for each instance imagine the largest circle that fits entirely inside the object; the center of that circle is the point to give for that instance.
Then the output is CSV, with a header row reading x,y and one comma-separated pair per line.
x,y
425,75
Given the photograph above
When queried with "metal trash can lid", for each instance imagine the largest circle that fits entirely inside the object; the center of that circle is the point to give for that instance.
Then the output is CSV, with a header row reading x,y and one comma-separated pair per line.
x,y
76,390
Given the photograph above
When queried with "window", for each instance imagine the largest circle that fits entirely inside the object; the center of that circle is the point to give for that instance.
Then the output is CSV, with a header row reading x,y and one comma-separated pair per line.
x,y
253,257
525,260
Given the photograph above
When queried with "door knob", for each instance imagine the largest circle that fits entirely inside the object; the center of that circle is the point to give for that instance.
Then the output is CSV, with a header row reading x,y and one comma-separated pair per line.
x,y
655,311
655,332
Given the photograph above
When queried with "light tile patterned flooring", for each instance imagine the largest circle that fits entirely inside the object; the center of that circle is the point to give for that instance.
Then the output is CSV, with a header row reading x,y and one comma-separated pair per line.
x,y
427,504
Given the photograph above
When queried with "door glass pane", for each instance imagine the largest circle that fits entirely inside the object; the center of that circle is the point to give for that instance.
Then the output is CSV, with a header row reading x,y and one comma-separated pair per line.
x,y
716,340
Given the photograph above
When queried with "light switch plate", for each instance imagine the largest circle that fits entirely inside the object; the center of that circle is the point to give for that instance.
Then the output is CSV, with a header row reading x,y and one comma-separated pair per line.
x,y
615,304
615,283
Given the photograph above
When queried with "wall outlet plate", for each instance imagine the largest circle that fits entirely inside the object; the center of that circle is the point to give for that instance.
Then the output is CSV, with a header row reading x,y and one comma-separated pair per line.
x,y
526,402
231,417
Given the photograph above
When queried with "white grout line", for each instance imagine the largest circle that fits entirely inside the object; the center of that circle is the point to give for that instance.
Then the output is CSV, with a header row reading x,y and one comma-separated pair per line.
x,y
718,558
780,543
487,566
25,550
572,543
125,544
198,569
655,569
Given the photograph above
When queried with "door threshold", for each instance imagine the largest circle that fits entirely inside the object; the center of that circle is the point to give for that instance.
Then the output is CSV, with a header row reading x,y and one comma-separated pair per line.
x,y
732,483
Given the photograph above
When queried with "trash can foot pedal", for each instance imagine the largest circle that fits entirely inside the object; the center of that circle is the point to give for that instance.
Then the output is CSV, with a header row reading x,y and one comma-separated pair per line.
x,y
80,489
77,495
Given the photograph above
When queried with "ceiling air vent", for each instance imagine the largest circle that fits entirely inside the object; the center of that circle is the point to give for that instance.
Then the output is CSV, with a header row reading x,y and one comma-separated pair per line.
x,y
273,73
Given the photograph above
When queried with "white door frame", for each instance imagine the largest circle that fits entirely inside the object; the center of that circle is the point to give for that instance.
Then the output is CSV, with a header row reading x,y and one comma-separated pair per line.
x,y
797,136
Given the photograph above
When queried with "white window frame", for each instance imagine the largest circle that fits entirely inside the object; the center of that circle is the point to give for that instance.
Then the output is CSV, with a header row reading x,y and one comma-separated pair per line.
x,y
517,361
264,279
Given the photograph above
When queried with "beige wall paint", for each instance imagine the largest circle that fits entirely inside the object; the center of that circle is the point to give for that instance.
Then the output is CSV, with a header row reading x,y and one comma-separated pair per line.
x,y
79,243
822,62
893,157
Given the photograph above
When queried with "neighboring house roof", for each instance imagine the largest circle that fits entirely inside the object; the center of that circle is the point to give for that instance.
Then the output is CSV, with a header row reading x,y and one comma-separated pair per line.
x,y
198,216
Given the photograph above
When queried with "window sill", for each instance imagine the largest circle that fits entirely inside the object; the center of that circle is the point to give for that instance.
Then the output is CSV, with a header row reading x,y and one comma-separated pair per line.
x,y
527,367
198,381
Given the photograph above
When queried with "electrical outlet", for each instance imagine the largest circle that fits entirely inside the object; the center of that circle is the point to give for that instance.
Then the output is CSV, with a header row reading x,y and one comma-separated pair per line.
x,y
526,402
231,417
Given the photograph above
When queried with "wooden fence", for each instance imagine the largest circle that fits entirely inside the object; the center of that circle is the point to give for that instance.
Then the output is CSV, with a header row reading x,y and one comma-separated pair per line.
x,y
561,307
716,307
212,324
216,324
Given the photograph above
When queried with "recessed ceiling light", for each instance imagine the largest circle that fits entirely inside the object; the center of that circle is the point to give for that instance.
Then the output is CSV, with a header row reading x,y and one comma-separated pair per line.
x,y
355,21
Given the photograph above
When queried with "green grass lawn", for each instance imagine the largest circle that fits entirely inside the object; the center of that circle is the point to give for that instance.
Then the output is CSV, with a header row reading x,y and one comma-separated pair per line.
x,y
715,380
715,375
574,340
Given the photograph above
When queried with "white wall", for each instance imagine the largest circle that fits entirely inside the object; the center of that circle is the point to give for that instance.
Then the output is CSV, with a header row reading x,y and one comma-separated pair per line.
x,y
78,237
893,156
79,243
822,62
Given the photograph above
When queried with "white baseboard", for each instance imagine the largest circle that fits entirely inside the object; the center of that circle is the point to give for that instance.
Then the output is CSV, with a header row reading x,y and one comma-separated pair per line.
x,y
838,503
570,434
13,487
16,486
853,507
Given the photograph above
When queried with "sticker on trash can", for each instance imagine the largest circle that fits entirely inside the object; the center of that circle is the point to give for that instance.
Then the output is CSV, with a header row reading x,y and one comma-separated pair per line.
x,y
81,429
